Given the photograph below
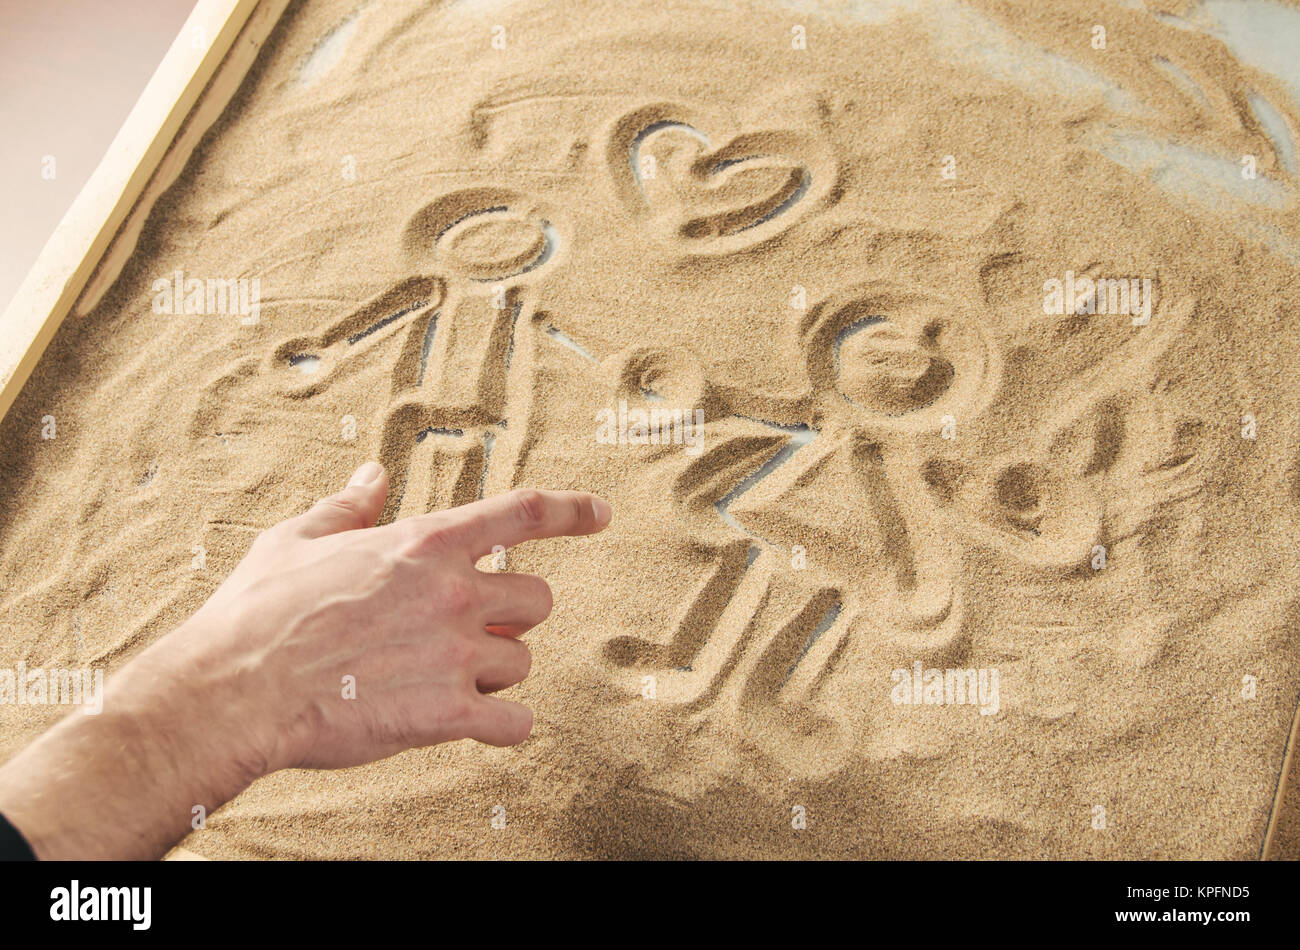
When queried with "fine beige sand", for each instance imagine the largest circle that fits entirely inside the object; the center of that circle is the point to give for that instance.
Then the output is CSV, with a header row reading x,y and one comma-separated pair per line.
x,y
487,235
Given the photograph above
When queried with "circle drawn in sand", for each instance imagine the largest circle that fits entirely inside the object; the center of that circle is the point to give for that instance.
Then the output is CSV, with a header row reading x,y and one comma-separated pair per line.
x,y
482,234
492,243
902,359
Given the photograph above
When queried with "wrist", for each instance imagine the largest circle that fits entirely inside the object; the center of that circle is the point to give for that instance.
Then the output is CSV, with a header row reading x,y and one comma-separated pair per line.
x,y
206,704
176,732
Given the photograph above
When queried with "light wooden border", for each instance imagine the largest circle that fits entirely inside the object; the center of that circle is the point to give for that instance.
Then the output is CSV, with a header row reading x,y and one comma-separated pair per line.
x,y
187,93
1289,763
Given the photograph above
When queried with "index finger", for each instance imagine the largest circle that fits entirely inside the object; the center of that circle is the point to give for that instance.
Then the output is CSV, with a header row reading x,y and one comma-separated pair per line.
x,y
524,515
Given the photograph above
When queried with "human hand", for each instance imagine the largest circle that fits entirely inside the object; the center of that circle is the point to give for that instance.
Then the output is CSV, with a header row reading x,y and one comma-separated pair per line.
x,y
401,610
323,607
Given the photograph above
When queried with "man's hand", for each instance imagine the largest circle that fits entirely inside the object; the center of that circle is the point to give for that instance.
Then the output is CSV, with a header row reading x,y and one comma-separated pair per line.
x,y
402,610
333,643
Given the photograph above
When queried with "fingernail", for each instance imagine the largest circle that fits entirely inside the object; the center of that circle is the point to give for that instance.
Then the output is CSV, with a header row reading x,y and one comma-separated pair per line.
x,y
602,511
366,474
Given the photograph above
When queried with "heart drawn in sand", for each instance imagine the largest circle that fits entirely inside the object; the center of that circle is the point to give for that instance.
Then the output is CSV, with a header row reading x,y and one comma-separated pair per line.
x,y
717,200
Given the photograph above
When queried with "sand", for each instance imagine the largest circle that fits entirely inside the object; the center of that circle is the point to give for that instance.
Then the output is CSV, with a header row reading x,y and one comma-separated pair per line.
x,y
832,230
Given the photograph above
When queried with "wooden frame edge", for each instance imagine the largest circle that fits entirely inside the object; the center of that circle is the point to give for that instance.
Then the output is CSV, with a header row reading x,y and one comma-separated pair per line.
x,y
1289,762
147,143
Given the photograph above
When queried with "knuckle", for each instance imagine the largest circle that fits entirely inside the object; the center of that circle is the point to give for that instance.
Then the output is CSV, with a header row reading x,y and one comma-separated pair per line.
x,y
457,595
337,504
530,507
457,713
433,536
576,510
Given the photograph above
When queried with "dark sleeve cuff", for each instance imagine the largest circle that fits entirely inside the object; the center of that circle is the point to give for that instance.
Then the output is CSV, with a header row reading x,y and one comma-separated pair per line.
x,y
13,846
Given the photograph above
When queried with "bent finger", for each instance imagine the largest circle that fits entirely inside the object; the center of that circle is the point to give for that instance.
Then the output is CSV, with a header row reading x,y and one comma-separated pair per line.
x,y
499,722
515,601
503,662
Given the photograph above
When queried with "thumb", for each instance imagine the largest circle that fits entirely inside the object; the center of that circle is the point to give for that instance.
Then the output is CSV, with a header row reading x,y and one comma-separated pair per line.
x,y
356,506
